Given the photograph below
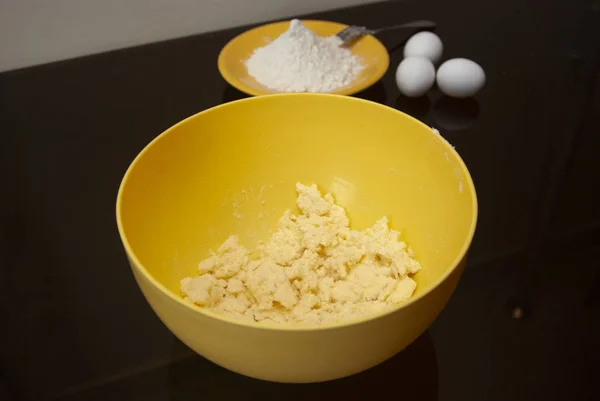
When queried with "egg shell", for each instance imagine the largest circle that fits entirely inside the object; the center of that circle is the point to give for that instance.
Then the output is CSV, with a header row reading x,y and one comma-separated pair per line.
x,y
424,44
415,76
460,78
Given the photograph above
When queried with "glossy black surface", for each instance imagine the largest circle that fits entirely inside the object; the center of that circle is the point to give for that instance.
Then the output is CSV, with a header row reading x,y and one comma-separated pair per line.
x,y
74,325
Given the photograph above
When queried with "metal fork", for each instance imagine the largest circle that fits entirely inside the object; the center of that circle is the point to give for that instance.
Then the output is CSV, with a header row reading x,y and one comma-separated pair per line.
x,y
354,31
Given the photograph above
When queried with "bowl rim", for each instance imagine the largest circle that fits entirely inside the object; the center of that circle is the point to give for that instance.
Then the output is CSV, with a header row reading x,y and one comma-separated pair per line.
x,y
232,80
284,326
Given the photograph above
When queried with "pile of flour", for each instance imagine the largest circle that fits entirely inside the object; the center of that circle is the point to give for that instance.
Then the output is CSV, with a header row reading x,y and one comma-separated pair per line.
x,y
301,61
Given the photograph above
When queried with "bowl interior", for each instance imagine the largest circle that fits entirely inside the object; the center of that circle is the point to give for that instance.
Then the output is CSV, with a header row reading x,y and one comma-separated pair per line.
x,y
233,169
232,59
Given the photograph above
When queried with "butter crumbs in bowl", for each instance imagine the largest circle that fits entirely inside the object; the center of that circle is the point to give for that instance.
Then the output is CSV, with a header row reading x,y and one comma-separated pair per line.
x,y
314,269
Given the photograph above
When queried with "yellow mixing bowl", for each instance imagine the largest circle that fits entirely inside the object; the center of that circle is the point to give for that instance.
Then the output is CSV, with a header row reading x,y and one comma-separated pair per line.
x,y
232,169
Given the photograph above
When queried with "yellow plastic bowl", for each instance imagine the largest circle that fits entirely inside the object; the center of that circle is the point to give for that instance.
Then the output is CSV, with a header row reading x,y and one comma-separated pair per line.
x,y
217,172
231,62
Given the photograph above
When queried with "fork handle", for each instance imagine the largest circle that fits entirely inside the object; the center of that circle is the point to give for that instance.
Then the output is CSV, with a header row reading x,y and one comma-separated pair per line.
x,y
422,24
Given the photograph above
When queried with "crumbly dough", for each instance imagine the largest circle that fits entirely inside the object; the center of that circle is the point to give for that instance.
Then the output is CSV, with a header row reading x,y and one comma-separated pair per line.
x,y
314,269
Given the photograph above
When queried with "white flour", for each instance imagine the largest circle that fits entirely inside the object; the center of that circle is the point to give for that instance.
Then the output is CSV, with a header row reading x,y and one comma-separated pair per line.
x,y
301,61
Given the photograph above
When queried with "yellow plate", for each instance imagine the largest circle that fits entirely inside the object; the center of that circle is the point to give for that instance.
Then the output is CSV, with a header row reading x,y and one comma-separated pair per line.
x,y
233,56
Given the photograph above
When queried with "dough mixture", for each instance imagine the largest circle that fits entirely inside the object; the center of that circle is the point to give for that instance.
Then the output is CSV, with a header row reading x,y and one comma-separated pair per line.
x,y
314,269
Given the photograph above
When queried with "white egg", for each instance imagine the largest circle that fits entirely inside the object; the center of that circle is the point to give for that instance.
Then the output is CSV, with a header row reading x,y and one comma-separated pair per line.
x,y
460,77
415,76
424,44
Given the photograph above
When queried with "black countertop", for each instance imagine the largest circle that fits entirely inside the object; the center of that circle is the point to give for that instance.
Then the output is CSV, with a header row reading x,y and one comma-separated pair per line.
x,y
524,321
